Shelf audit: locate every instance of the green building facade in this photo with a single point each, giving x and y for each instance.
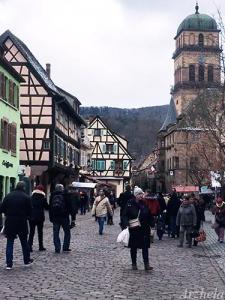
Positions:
(9, 127)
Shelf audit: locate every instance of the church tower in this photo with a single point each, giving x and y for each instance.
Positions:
(196, 58)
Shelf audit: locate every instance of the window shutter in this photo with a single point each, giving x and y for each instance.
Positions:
(11, 93)
(9, 142)
(13, 138)
(112, 165)
(2, 134)
(6, 88)
(1, 85)
(114, 148)
(104, 148)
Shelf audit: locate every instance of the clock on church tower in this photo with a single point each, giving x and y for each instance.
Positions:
(196, 58)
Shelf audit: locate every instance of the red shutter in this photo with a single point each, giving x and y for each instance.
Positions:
(2, 134)
(9, 141)
(11, 93)
(13, 138)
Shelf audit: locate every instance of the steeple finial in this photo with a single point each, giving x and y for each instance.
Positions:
(196, 8)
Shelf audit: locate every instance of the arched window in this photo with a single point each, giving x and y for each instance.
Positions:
(191, 73)
(210, 73)
(201, 73)
(201, 39)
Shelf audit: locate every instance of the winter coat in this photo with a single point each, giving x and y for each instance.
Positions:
(219, 214)
(173, 205)
(39, 204)
(153, 205)
(101, 207)
(162, 203)
(69, 208)
(199, 209)
(139, 236)
(17, 209)
(186, 215)
(123, 199)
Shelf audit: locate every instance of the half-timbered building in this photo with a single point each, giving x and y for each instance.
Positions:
(110, 159)
(50, 120)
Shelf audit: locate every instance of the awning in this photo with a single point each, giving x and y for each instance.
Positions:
(86, 185)
(186, 189)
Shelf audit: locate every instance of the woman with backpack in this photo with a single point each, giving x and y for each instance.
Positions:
(100, 209)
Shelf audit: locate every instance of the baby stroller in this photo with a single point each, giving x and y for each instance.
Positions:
(160, 225)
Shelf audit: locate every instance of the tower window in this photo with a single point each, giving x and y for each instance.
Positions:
(191, 73)
(201, 73)
(210, 73)
(201, 40)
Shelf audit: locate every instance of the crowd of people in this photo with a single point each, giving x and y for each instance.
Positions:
(179, 216)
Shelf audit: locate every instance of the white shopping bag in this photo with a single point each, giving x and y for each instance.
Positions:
(124, 237)
(2, 232)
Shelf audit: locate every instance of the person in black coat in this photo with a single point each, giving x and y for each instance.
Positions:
(60, 209)
(122, 202)
(173, 206)
(39, 204)
(16, 207)
(140, 234)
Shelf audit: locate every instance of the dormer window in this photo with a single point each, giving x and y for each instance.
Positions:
(201, 40)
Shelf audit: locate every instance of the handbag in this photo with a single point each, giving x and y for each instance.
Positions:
(202, 236)
(133, 223)
(124, 237)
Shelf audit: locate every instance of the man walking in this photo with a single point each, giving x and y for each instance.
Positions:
(60, 210)
(17, 209)
(122, 202)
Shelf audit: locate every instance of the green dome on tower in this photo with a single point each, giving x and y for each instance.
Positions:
(198, 22)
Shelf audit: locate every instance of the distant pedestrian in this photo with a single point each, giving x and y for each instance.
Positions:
(17, 209)
(83, 202)
(74, 199)
(186, 220)
(100, 209)
(60, 210)
(219, 212)
(162, 202)
(139, 221)
(39, 204)
(122, 202)
(199, 209)
(173, 206)
(112, 201)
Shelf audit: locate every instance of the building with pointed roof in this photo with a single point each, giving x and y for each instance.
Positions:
(110, 158)
(50, 119)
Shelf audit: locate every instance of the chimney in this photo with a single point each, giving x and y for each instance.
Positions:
(48, 70)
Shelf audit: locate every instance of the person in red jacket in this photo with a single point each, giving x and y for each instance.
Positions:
(153, 203)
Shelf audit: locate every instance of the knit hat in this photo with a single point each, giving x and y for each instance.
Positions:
(137, 191)
(40, 187)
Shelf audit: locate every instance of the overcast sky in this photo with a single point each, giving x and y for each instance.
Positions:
(105, 52)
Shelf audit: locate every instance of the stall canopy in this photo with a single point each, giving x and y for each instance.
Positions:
(186, 189)
(85, 185)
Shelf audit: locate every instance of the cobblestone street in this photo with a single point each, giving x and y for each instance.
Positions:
(98, 268)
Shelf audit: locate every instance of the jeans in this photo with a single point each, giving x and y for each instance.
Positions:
(32, 232)
(133, 254)
(65, 223)
(101, 221)
(9, 250)
(83, 209)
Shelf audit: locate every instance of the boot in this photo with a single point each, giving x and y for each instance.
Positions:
(134, 267)
(147, 267)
